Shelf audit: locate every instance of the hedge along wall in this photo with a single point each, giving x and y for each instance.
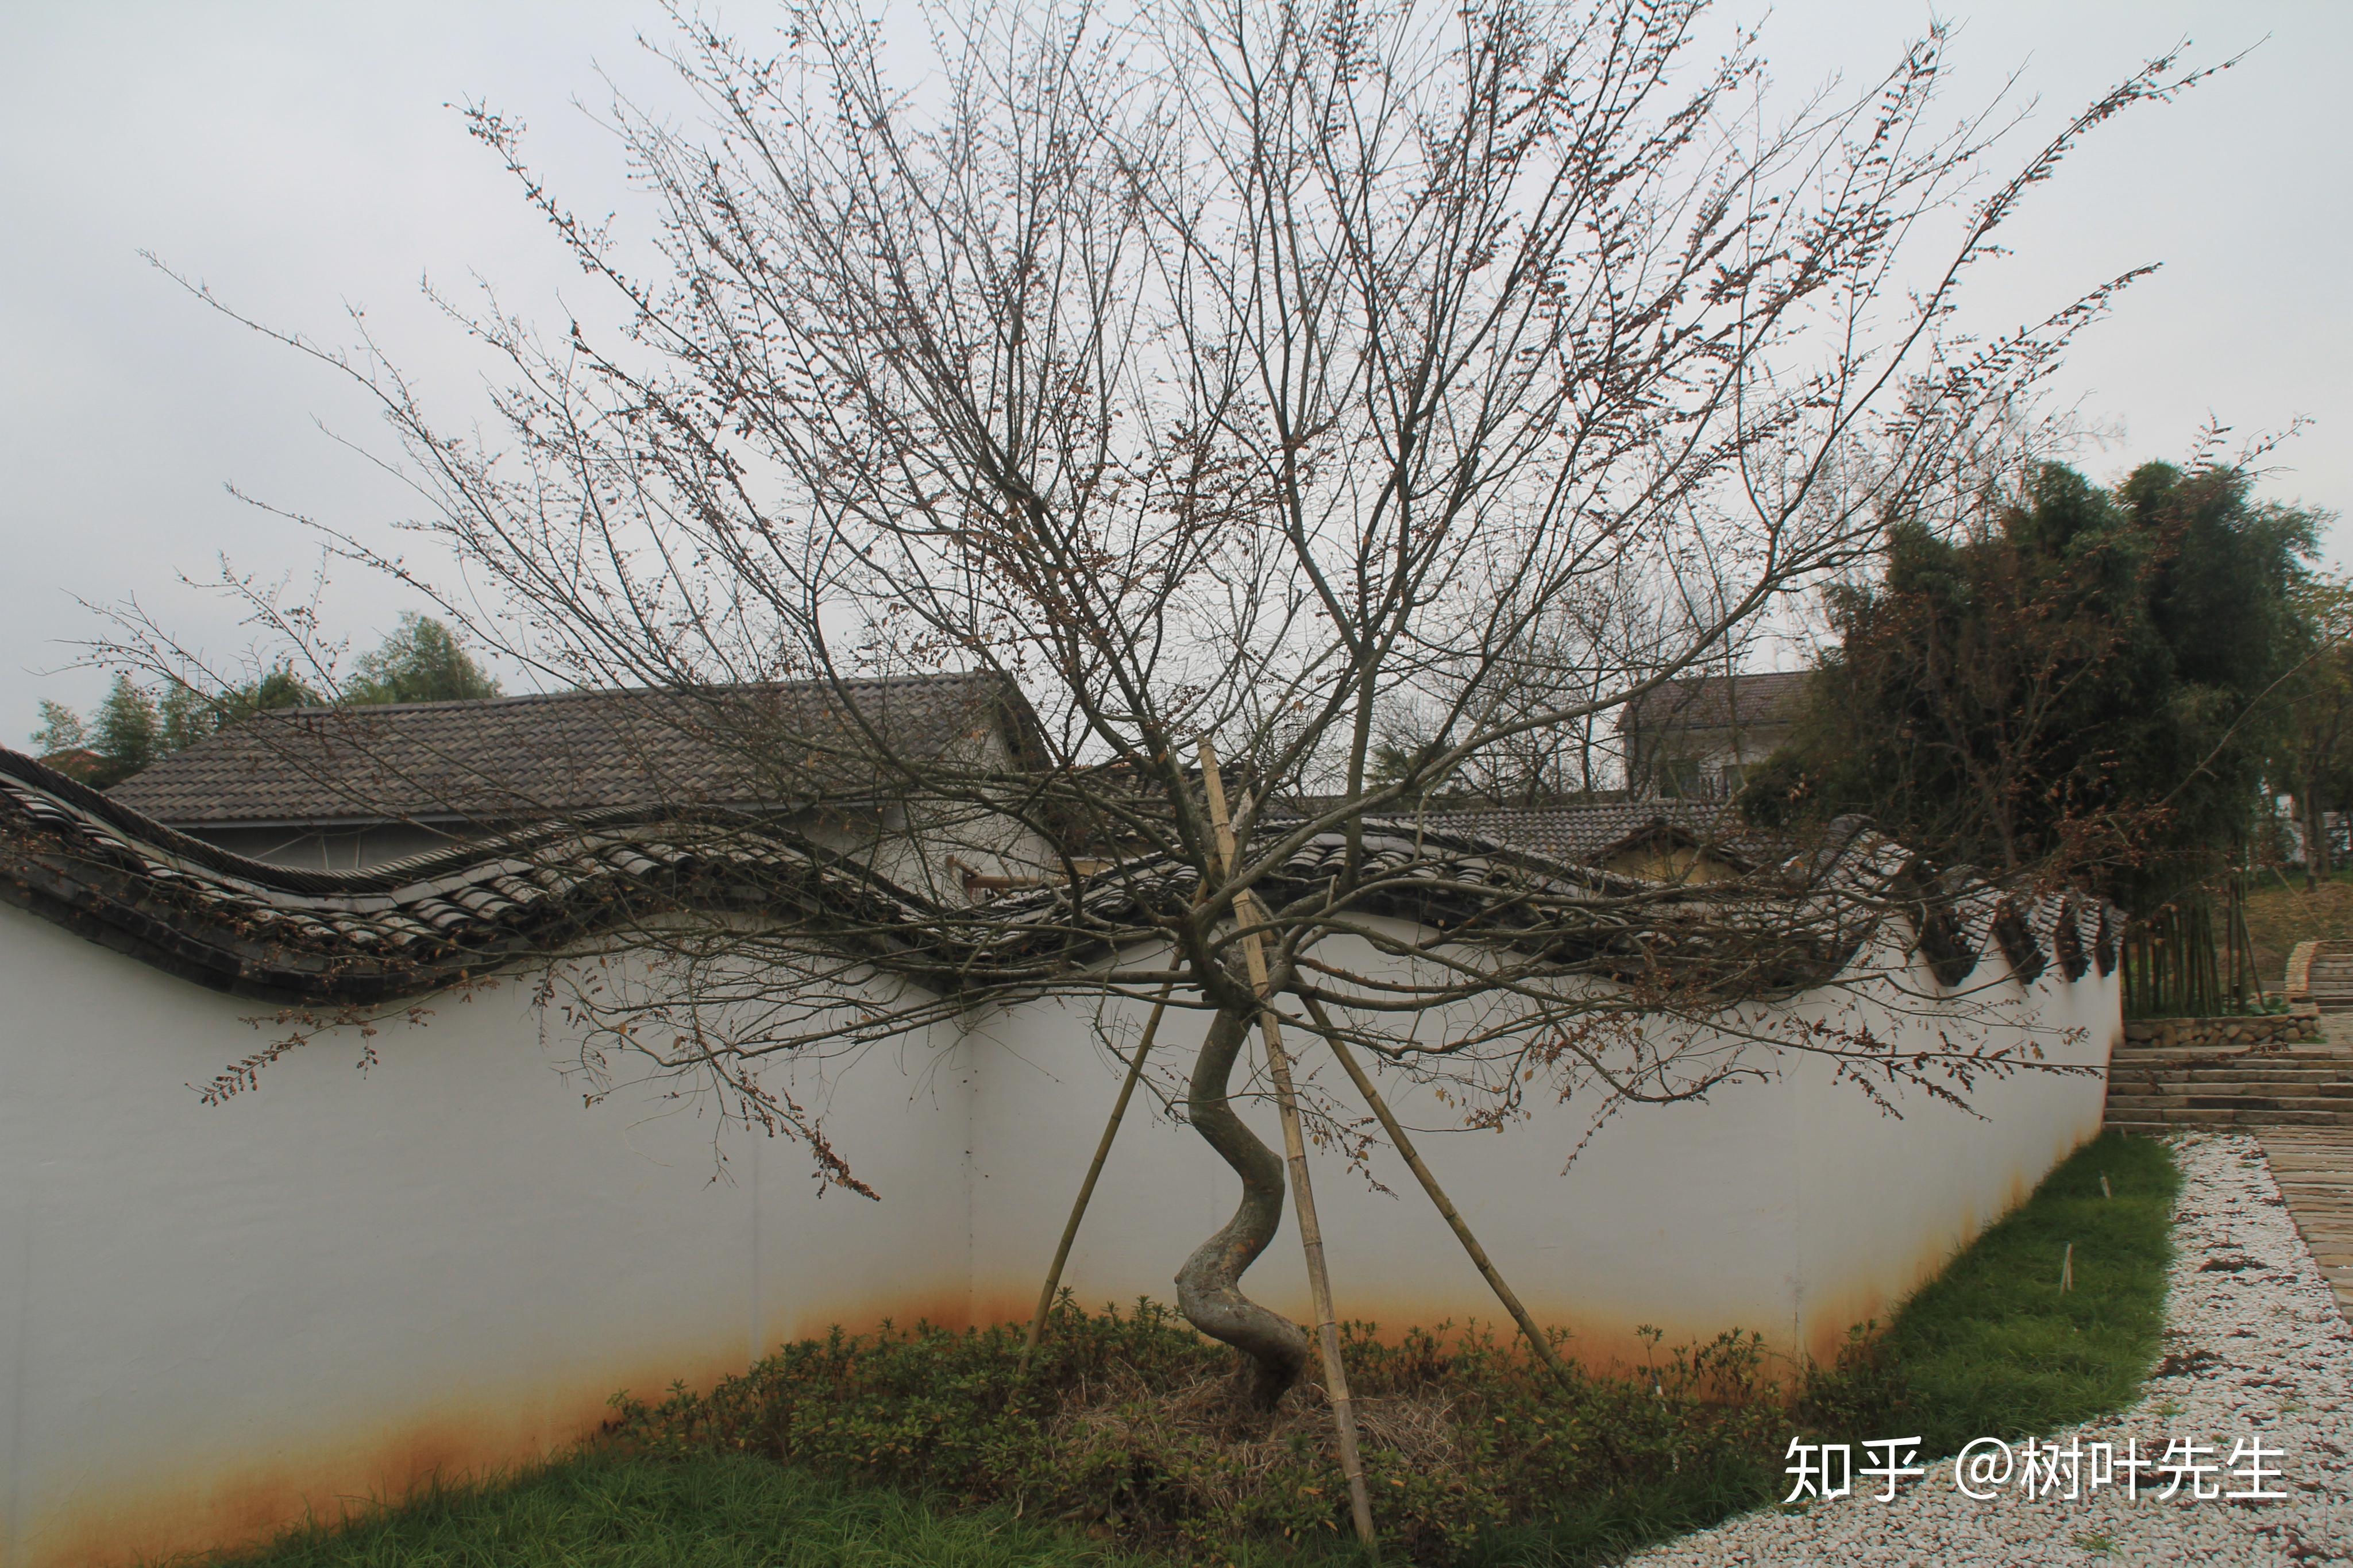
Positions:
(218, 1319)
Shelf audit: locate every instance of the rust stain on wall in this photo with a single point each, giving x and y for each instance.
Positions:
(948, 1307)
(242, 1501)
(1836, 1309)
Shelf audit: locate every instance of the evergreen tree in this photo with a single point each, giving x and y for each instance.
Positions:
(421, 661)
(2084, 687)
(2312, 754)
(62, 731)
(129, 734)
(134, 726)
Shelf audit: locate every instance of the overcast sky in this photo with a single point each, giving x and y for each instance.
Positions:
(301, 158)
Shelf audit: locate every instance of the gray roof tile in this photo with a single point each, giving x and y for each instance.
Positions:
(518, 758)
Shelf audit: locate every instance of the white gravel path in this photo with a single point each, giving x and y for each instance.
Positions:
(2254, 1344)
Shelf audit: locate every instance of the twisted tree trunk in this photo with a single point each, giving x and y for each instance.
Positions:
(1209, 1289)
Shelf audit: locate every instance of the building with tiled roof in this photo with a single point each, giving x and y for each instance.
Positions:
(1700, 738)
(357, 786)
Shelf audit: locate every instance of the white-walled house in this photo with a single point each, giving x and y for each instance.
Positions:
(218, 1317)
(1701, 737)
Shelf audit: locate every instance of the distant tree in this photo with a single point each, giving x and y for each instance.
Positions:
(62, 731)
(2086, 685)
(421, 661)
(280, 688)
(135, 726)
(129, 734)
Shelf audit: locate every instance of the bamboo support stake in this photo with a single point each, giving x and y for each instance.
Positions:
(1087, 1187)
(1294, 1144)
(1454, 1220)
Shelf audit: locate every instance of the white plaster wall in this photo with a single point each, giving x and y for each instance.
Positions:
(213, 1317)
(1793, 1207)
(1886, 1201)
(210, 1316)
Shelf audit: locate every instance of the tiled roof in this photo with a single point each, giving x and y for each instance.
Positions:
(521, 758)
(1718, 702)
(1584, 832)
(1570, 831)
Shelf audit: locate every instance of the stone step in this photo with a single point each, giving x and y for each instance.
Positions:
(2299, 1147)
(2250, 1103)
(2325, 1096)
(2138, 1083)
(2238, 1072)
(2316, 1082)
(2319, 1045)
(2314, 1055)
(2312, 1033)
(2313, 1048)
(2235, 1116)
(2120, 1102)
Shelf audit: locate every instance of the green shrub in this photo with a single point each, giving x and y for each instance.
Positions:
(1134, 1425)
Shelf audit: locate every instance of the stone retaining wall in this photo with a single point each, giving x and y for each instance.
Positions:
(2225, 1033)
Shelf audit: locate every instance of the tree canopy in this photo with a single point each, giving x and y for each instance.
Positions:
(421, 661)
(2312, 746)
(2085, 684)
(1233, 376)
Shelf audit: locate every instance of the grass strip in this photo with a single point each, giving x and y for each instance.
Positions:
(721, 1511)
(1992, 1348)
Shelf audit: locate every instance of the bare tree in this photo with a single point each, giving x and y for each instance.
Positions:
(1236, 371)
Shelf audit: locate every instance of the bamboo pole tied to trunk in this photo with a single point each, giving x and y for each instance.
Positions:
(1294, 1143)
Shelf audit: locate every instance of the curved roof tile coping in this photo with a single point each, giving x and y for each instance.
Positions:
(412, 926)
